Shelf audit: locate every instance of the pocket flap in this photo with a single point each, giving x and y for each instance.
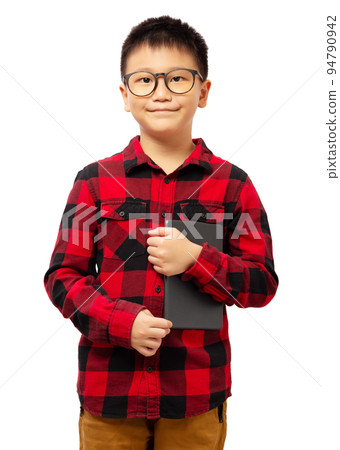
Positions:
(202, 211)
(122, 209)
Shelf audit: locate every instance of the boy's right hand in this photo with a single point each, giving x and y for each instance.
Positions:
(147, 332)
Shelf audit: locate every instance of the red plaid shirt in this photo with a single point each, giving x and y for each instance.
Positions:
(100, 278)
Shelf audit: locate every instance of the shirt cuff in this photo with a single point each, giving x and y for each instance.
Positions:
(121, 321)
(205, 266)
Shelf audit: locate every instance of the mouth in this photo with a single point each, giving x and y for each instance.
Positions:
(163, 110)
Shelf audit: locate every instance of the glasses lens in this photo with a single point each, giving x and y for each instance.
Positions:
(180, 81)
(141, 83)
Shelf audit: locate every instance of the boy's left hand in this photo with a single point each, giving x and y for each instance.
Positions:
(170, 251)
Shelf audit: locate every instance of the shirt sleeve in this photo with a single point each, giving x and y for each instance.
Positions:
(70, 280)
(243, 274)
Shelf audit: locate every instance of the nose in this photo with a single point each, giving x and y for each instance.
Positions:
(161, 92)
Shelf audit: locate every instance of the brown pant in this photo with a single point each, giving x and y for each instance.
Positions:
(202, 432)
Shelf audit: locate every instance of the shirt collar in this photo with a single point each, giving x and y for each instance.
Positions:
(134, 155)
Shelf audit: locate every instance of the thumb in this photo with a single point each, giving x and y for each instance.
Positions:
(160, 231)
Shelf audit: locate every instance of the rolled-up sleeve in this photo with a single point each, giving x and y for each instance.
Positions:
(243, 274)
(71, 279)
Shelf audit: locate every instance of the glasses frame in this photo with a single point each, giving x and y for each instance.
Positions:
(193, 72)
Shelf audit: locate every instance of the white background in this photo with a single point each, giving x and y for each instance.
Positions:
(61, 109)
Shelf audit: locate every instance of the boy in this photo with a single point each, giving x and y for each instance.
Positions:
(142, 384)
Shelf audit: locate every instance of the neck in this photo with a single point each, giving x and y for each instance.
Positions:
(170, 149)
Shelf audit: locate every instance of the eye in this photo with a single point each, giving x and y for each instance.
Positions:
(176, 79)
(144, 80)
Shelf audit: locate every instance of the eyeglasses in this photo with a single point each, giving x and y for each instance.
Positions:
(178, 81)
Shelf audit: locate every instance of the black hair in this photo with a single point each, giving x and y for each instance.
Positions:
(170, 32)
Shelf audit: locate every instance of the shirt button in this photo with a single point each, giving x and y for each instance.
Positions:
(166, 180)
(149, 369)
(158, 289)
(163, 214)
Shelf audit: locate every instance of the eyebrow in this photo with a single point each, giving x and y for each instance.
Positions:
(148, 69)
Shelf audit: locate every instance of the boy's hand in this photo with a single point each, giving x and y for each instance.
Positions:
(170, 255)
(147, 332)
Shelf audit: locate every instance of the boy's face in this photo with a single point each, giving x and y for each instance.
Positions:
(180, 108)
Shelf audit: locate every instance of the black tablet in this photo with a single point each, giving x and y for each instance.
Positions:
(184, 304)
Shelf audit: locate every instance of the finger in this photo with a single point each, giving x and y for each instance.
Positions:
(151, 346)
(157, 322)
(152, 251)
(153, 231)
(159, 230)
(156, 268)
(146, 351)
(151, 241)
(158, 333)
(153, 342)
(153, 260)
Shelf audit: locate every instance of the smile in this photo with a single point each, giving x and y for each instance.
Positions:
(163, 110)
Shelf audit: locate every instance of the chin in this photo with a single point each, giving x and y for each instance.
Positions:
(162, 130)
(165, 132)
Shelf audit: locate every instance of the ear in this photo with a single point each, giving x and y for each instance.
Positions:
(123, 90)
(204, 91)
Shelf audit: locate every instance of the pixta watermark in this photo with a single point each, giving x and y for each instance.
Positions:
(80, 225)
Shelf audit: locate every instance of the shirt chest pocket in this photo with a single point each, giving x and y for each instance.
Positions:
(201, 211)
(123, 229)
(204, 221)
